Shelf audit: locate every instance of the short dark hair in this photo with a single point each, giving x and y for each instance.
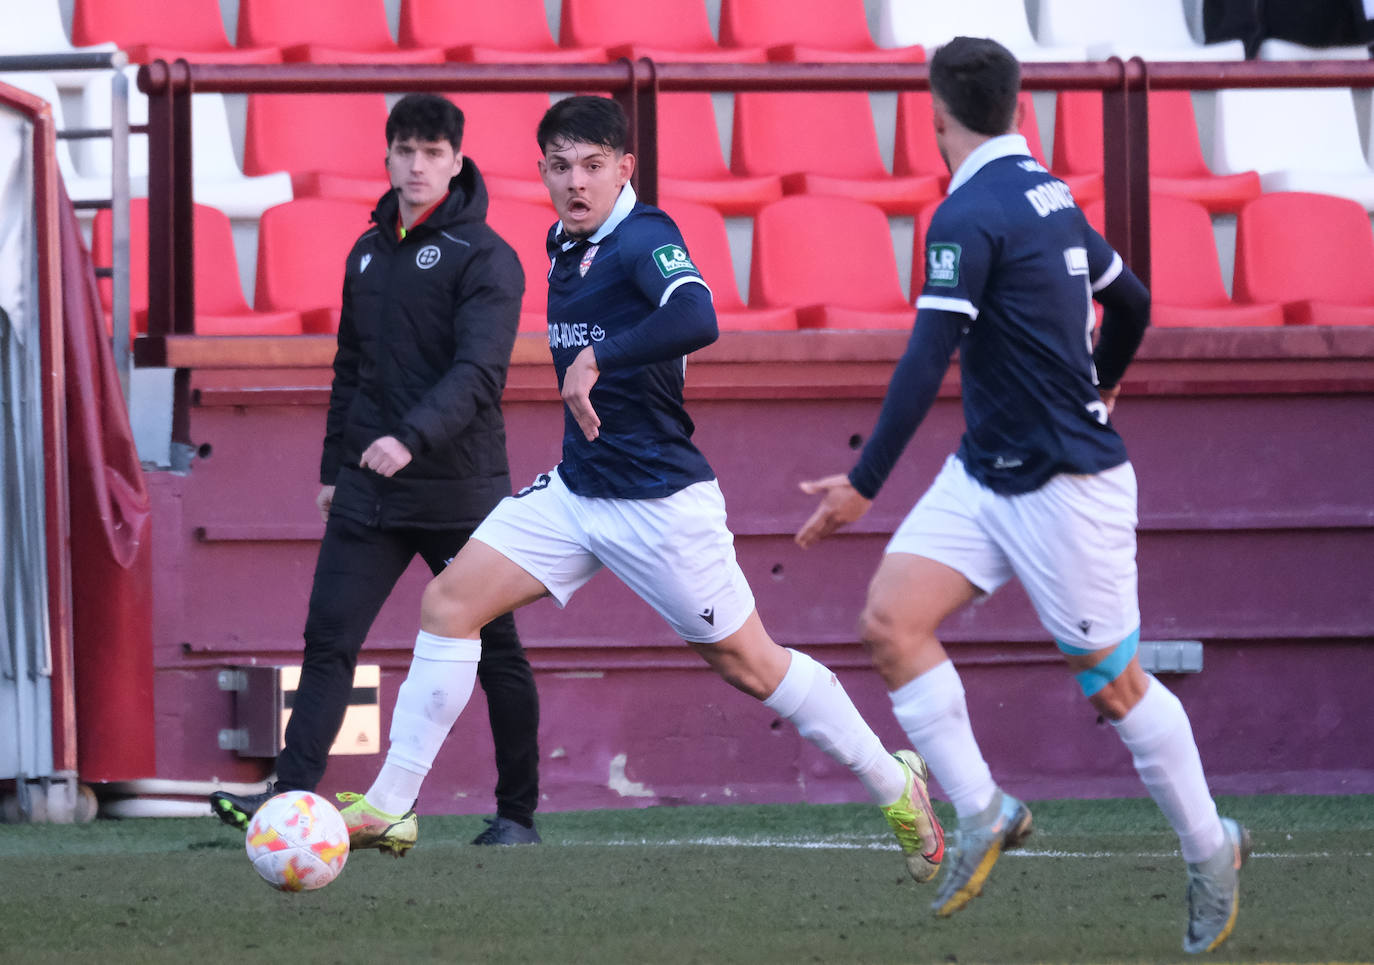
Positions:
(586, 120)
(978, 79)
(426, 117)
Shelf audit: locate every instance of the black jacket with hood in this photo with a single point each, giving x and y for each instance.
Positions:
(425, 340)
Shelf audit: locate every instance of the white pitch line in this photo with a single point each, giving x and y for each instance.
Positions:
(884, 845)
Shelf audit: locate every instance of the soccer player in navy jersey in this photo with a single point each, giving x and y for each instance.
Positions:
(631, 494)
(1040, 487)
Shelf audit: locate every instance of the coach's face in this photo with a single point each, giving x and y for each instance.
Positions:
(421, 170)
(584, 181)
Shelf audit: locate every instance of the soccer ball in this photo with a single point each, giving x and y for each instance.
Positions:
(297, 841)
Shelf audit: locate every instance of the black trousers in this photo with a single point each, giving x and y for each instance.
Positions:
(357, 569)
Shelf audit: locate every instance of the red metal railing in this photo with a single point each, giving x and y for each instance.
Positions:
(1124, 85)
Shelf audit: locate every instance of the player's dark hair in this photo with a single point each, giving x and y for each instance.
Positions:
(425, 117)
(978, 79)
(584, 120)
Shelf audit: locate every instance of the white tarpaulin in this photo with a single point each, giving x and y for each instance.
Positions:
(25, 710)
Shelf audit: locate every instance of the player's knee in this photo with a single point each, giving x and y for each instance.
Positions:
(442, 612)
(888, 641)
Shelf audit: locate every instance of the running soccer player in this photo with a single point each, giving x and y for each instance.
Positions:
(1040, 488)
(632, 493)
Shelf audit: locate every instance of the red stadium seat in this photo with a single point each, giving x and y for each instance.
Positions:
(1176, 164)
(691, 165)
(515, 31)
(525, 227)
(1186, 288)
(915, 152)
(822, 143)
(301, 250)
(1314, 253)
(807, 31)
(327, 32)
(632, 28)
(831, 259)
(498, 133)
(220, 306)
(703, 229)
(147, 33)
(333, 145)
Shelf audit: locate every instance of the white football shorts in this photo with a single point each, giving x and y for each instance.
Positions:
(676, 553)
(1071, 543)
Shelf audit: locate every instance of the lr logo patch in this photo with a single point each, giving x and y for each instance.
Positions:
(942, 265)
(672, 259)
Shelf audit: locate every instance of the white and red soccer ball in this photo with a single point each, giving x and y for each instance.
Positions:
(297, 841)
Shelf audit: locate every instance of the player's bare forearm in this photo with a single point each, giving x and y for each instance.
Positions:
(841, 504)
(578, 381)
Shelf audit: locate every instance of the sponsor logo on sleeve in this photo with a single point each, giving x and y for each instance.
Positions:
(671, 260)
(364, 262)
(942, 265)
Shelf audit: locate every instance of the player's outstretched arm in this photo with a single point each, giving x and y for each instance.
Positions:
(841, 504)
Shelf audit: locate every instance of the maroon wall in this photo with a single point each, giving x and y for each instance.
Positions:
(1256, 537)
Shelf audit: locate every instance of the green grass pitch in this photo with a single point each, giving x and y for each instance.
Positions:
(1100, 881)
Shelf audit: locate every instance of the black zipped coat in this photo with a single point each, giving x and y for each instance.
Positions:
(425, 340)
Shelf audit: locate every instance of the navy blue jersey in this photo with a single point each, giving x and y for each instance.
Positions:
(612, 291)
(1010, 251)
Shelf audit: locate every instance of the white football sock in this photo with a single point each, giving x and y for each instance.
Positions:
(814, 700)
(1160, 739)
(435, 691)
(934, 715)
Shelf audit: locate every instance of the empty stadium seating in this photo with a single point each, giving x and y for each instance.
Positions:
(807, 30)
(703, 228)
(514, 31)
(691, 165)
(498, 134)
(935, 22)
(220, 306)
(333, 145)
(327, 31)
(147, 32)
(1154, 30)
(301, 250)
(217, 180)
(831, 259)
(526, 229)
(1186, 287)
(632, 28)
(915, 151)
(35, 27)
(822, 143)
(79, 187)
(1312, 253)
(1297, 139)
(1177, 167)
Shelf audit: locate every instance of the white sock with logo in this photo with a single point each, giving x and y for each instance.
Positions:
(934, 714)
(814, 700)
(1160, 738)
(442, 673)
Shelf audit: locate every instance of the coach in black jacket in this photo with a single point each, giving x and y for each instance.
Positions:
(415, 446)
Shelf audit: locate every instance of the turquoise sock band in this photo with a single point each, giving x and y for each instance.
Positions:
(1095, 678)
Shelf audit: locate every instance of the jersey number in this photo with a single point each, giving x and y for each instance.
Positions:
(1076, 261)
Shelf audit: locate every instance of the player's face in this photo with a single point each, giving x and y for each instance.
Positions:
(421, 170)
(584, 181)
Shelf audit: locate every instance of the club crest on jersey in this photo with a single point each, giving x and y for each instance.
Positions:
(364, 262)
(942, 264)
(672, 259)
(585, 264)
(427, 257)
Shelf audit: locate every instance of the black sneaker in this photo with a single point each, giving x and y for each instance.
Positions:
(236, 810)
(505, 831)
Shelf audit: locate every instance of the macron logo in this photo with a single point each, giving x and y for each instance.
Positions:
(709, 615)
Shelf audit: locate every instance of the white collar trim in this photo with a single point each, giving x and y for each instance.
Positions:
(619, 212)
(1004, 145)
